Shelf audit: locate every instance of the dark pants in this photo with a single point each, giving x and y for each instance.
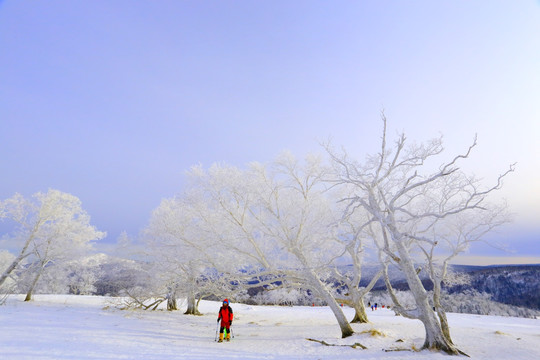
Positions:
(225, 326)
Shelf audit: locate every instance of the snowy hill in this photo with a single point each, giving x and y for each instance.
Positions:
(89, 327)
(517, 285)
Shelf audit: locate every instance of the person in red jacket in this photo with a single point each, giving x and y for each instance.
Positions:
(226, 317)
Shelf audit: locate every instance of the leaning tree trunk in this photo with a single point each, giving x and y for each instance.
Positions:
(19, 258)
(12, 267)
(33, 285)
(346, 329)
(314, 281)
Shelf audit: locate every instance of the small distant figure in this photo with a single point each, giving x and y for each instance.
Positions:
(226, 317)
(375, 306)
(369, 304)
(372, 306)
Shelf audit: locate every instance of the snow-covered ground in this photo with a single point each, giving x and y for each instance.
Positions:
(88, 327)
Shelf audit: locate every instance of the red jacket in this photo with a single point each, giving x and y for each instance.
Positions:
(226, 315)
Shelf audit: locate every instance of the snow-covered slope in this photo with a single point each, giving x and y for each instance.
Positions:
(88, 327)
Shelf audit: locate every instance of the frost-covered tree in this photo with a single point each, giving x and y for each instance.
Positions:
(52, 228)
(116, 275)
(301, 217)
(282, 296)
(83, 274)
(172, 250)
(274, 222)
(181, 251)
(415, 208)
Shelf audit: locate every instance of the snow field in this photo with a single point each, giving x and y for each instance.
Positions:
(89, 327)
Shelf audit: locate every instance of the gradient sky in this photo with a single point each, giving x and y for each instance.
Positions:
(112, 101)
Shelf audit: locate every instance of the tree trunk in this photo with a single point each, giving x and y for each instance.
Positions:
(435, 338)
(171, 301)
(440, 311)
(360, 315)
(10, 268)
(444, 325)
(19, 258)
(192, 308)
(315, 282)
(33, 285)
(346, 329)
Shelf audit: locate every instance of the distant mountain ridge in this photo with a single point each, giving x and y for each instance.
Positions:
(516, 285)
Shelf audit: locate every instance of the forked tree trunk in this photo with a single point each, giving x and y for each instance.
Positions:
(357, 298)
(192, 308)
(435, 338)
(171, 301)
(360, 315)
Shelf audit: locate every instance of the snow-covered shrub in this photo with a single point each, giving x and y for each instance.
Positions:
(286, 297)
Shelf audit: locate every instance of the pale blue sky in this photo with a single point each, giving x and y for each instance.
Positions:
(112, 101)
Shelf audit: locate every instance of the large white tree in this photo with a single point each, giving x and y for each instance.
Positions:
(52, 227)
(300, 214)
(275, 222)
(417, 210)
